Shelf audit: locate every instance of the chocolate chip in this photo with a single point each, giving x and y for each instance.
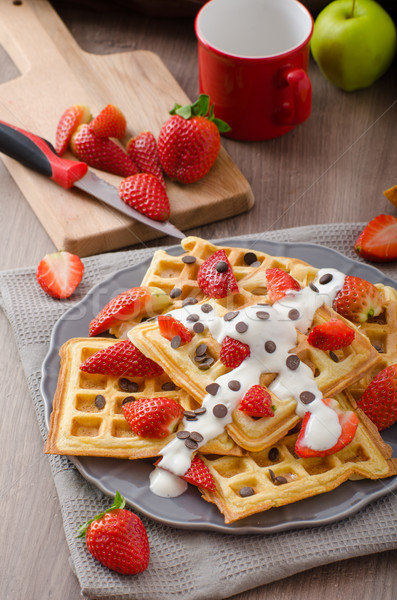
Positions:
(325, 278)
(293, 362)
(241, 327)
(206, 308)
(175, 293)
(206, 363)
(196, 436)
(212, 388)
(189, 443)
(128, 399)
(249, 258)
(193, 317)
(201, 349)
(378, 347)
(189, 260)
(333, 356)
(293, 314)
(168, 386)
(128, 386)
(219, 411)
(272, 475)
(273, 454)
(255, 264)
(229, 316)
(246, 491)
(270, 346)
(200, 411)
(187, 301)
(263, 315)
(198, 327)
(195, 418)
(176, 341)
(279, 480)
(221, 266)
(313, 287)
(100, 401)
(189, 413)
(307, 397)
(200, 359)
(183, 435)
(234, 385)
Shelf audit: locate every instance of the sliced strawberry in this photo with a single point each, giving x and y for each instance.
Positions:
(121, 358)
(109, 123)
(358, 300)
(331, 335)
(279, 283)
(378, 241)
(68, 123)
(215, 276)
(379, 401)
(257, 402)
(145, 193)
(199, 474)
(101, 153)
(348, 421)
(128, 305)
(144, 152)
(233, 352)
(170, 328)
(60, 273)
(153, 417)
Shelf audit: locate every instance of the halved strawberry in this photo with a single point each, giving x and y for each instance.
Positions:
(128, 305)
(121, 358)
(68, 123)
(331, 335)
(358, 300)
(378, 240)
(348, 421)
(199, 474)
(215, 276)
(170, 328)
(379, 401)
(109, 123)
(257, 402)
(145, 193)
(153, 417)
(279, 283)
(233, 352)
(144, 152)
(60, 273)
(101, 153)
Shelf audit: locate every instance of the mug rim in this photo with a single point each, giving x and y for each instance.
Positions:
(261, 58)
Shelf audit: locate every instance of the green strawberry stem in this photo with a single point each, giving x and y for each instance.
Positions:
(200, 108)
(353, 7)
(119, 502)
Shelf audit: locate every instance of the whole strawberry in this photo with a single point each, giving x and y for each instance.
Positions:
(189, 142)
(145, 193)
(153, 417)
(118, 539)
(358, 300)
(379, 401)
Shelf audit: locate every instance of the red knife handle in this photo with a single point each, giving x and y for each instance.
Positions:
(38, 154)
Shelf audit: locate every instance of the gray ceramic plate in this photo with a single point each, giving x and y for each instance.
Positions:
(131, 478)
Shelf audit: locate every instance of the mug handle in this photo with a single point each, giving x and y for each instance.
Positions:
(297, 107)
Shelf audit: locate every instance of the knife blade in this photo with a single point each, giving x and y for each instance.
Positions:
(39, 154)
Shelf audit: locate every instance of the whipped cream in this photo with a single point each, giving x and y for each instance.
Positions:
(270, 332)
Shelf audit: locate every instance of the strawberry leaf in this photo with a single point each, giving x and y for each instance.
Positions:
(119, 502)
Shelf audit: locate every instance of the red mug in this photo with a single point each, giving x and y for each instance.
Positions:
(253, 57)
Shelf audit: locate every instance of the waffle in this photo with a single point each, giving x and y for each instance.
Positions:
(80, 427)
(277, 476)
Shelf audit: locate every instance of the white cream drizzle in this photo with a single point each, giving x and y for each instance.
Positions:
(323, 428)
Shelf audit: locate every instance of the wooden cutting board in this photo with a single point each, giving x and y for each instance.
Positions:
(56, 73)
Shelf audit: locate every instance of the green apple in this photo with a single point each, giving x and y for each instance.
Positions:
(353, 42)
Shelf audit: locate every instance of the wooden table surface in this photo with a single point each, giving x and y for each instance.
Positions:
(333, 168)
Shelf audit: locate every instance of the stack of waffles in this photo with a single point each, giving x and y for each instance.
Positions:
(253, 460)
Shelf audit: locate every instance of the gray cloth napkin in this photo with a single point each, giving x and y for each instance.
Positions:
(185, 564)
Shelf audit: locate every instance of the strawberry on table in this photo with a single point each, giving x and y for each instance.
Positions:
(153, 417)
(189, 142)
(215, 276)
(233, 352)
(60, 273)
(378, 241)
(358, 300)
(145, 193)
(121, 358)
(379, 401)
(68, 123)
(257, 402)
(199, 474)
(142, 149)
(170, 328)
(110, 122)
(331, 335)
(279, 283)
(101, 153)
(118, 539)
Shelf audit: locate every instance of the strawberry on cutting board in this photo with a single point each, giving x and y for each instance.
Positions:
(118, 539)
(153, 418)
(358, 300)
(68, 123)
(142, 149)
(379, 401)
(189, 142)
(378, 241)
(121, 358)
(59, 273)
(145, 193)
(110, 122)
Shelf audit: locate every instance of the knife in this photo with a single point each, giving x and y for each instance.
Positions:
(40, 155)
